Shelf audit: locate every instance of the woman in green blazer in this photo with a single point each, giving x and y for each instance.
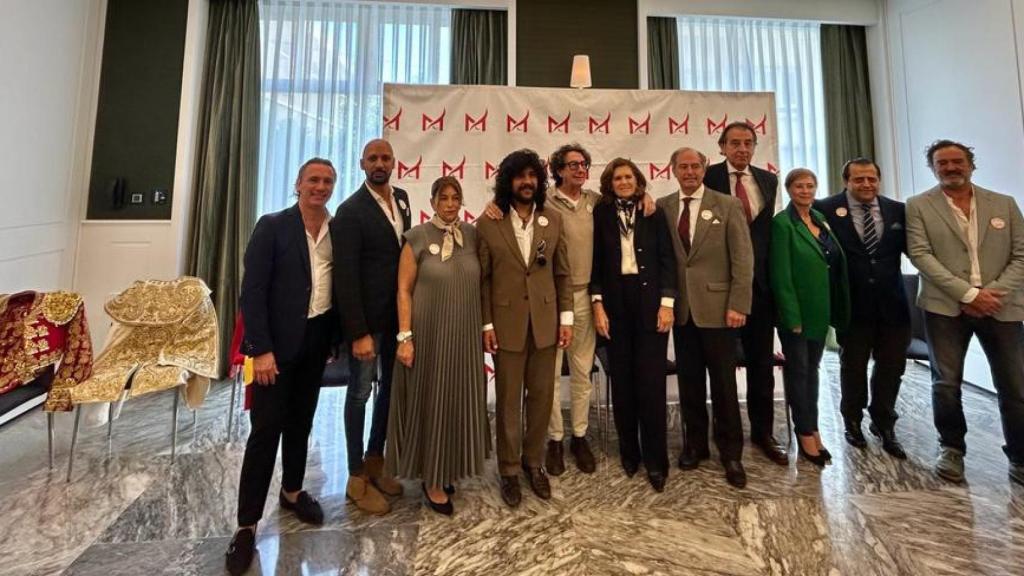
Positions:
(808, 278)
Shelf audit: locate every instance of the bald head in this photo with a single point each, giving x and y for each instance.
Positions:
(378, 162)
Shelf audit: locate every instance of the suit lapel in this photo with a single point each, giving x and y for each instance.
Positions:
(767, 193)
(538, 235)
(707, 203)
(375, 211)
(505, 227)
(984, 208)
(297, 234)
(939, 204)
(803, 232)
(402, 200)
(846, 225)
(671, 208)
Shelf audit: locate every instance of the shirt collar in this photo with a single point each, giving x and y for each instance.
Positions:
(854, 202)
(733, 169)
(378, 197)
(565, 198)
(697, 194)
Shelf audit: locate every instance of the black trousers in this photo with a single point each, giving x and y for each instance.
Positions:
(702, 353)
(284, 411)
(867, 337)
(758, 338)
(637, 358)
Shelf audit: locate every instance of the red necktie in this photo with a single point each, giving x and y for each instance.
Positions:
(684, 225)
(741, 193)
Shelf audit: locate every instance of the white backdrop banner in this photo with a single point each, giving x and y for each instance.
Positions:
(465, 131)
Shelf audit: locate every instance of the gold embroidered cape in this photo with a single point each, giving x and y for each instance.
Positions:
(164, 335)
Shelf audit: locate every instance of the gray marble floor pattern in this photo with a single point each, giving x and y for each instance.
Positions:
(129, 509)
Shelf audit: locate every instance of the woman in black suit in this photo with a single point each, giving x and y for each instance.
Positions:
(633, 289)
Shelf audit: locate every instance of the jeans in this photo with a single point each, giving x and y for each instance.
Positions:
(800, 377)
(362, 375)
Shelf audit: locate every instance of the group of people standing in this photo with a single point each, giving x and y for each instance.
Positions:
(547, 271)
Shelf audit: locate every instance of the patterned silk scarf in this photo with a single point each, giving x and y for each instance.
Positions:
(452, 236)
(627, 209)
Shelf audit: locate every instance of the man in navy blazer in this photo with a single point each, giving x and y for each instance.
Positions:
(368, 231)
(872, 231)
(289, 322)
(756, 189)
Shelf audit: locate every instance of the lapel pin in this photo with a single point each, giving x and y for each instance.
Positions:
(706, 214)
(998, 223)
(542, 220)
(434, 249)
(842, 211)
(716, 221)
(402, 205)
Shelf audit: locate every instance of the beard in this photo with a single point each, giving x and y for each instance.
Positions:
(524, 194)
(379, 177)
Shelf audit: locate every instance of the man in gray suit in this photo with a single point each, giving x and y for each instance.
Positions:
(715, 262)
(968, 245)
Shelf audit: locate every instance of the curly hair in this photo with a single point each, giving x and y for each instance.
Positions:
(608, 189)
(513, 165)
(944, 143)
(557, 161)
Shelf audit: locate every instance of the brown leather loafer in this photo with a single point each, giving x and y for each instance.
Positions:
(510, 492)
(538, 482)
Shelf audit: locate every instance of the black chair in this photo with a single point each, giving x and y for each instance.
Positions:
(918, 347)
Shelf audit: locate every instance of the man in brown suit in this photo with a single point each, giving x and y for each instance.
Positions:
(715, 260)
(527, 310)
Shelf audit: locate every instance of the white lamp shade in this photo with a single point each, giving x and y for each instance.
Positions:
(580, 71)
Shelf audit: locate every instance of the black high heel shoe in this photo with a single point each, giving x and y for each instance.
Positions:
(820, 460)
(446, 508)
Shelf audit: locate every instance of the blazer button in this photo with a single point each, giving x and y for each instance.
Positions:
(872, 261)
(639, 249)
(644, 284)
(871, 280)
(526, 296)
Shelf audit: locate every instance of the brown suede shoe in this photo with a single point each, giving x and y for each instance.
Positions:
(539, 482)
(386, 484)
(581, 452)
(365, 496)
(554, 462)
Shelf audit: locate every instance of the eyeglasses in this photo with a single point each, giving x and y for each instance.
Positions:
(575, 165)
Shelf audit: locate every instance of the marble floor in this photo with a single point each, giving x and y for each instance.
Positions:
(130, 510)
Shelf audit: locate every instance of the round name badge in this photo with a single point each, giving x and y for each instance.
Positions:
(706, 214)
(434, 249)
(998, 223)
(842, 212)
(590, 208)
(542, 220)
(401, 203)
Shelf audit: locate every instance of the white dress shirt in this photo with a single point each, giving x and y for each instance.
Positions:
(969, 227)
(392, 214)
(750, 185)
(321, 258)
(698, 197)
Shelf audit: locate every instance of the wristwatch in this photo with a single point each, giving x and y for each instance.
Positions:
(403, 336)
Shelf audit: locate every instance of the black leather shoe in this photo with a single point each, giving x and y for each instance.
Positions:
(449, 489)
(554, 462)
(240, 552)
(853, 435)
(629, 467)
(510, 492)
(305, 507)
(445, 508)
(690, 458)
(734, 473)
(824, 452)
(538, 482)
(657, 480)
(580, 450)
(772, 450)
(889, 442)
(819, 459)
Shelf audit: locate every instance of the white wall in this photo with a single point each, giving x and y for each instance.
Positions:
(48, 81)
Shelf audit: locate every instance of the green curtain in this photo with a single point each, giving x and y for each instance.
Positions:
(227, 154)
(849, 124)
(479, 47)
(662, 53)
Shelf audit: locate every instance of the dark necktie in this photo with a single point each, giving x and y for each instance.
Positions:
(741, 193)
(684, 225)
(870, 234)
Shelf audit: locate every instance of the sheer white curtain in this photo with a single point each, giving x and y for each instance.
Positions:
(324, 64)
(780, 56)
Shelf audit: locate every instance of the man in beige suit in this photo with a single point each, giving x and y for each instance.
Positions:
(527, 310)
(715, 260)
(968, 244)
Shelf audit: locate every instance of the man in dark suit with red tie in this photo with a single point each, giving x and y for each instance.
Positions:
(872, 231)
(756, 189)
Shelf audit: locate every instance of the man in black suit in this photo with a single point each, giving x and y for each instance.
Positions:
(756, 190)
(368, 230)
(289, 323)
(872, 231)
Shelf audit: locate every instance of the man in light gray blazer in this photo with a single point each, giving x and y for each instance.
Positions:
(715, 262)
(968, 245)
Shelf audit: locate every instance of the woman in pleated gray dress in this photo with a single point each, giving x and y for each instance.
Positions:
(437, 427)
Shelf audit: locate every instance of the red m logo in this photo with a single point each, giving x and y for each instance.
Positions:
(457, 170)
(468, 217)
(477, 124)
(772, 168)
(513, 125)
(424, 217)
(489, 170)
(559, 126)
(406, 171)
(393, 122)
(759, 126)
(717, 126)
(656, 173)
(676, 127)
(635, 126)
(598, 126)
(429, 123)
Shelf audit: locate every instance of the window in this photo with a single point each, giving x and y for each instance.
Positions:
(780, 56)
(324, 64)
